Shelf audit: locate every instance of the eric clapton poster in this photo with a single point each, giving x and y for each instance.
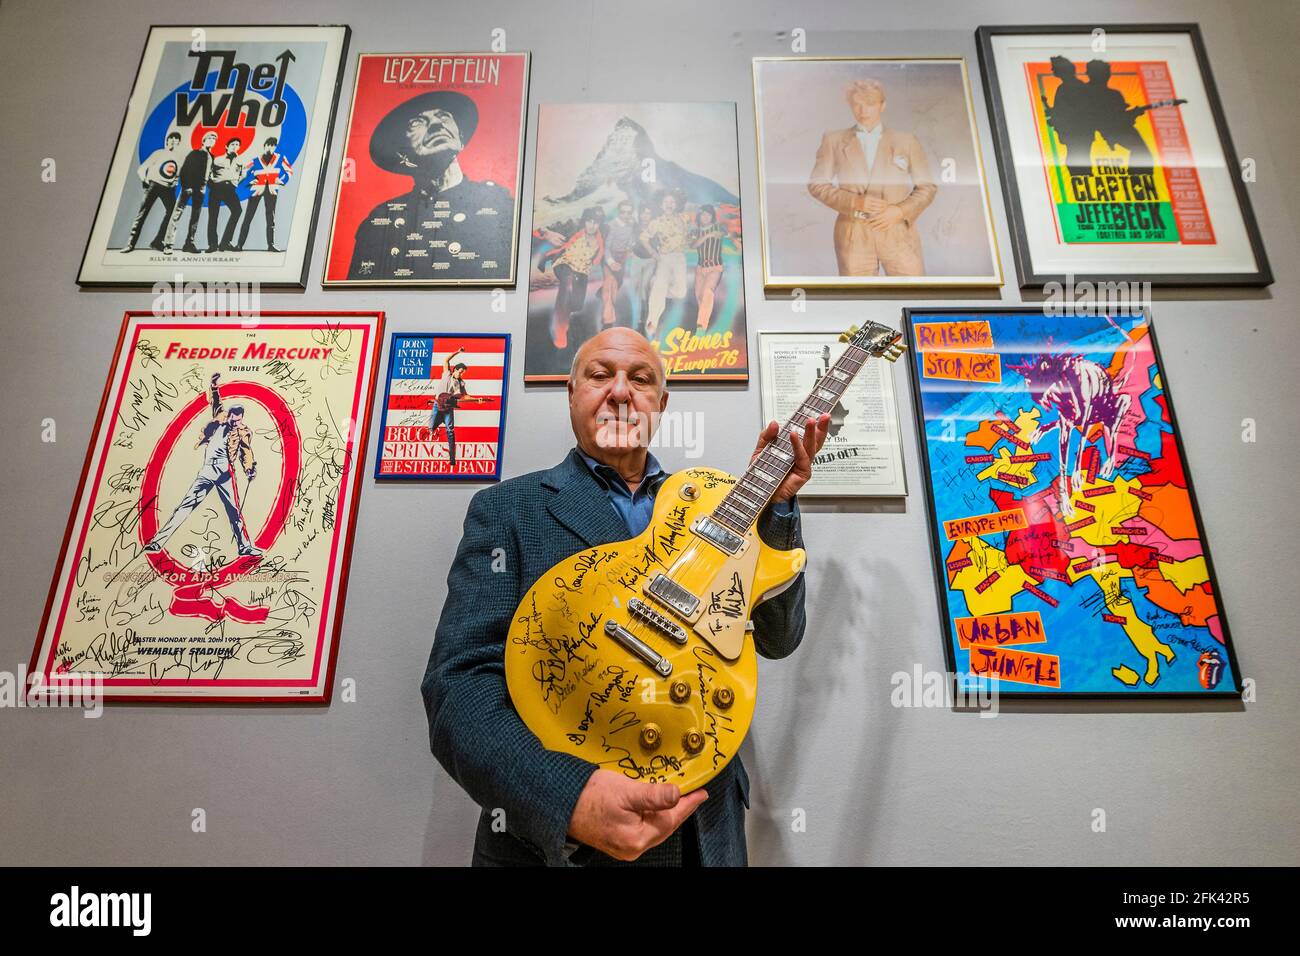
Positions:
(217, 170)
(206, 556)
(429, 191)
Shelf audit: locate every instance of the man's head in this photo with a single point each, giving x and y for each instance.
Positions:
(617, 389)
(235, 415)
(668, 203)
(1098, 71)
(232, 146)
(625, 211)
(173, 138)
(592, 218)
(706, 216)
(867, 101)
(209, 139)
(424, 135)
(458, 371)
(270, 143)
(1062, 67)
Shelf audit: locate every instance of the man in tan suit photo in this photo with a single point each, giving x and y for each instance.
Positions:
(878, 180)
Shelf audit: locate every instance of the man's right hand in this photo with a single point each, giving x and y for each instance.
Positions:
(623, 818)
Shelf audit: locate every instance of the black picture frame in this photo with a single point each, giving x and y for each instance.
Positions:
(910, 316)
(335, 92)
(1263, 274)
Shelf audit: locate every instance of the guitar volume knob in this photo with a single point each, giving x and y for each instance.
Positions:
(679, 692)
(723, 698)
(650, 737)
(692, 742)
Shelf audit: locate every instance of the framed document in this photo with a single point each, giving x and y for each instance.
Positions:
(444, 411)
(862, 456)
(1115, 157)
(217, 170)
(870, 175)
(1070, 557)
(206, 556)
(432, 164)
(636, 222)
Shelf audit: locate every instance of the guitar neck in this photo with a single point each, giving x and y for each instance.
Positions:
(750, 495)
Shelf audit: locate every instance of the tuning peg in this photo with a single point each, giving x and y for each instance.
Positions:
(893, 353)
(848, 336)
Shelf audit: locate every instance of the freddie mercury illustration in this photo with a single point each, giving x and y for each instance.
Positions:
(226, 440)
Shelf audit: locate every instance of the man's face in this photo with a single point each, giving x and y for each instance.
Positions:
(232, 148)
(209, 140)
(669, 204)
(433, 131)
(173, 142)
(625, 212)
(867, 109)
(590, 226)
(234, 418)
(617, 392)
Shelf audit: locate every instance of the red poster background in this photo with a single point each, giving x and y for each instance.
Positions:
(493, 152)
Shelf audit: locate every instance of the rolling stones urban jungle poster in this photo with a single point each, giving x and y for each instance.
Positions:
(1069, 553)
(207, 552)
(217, 170)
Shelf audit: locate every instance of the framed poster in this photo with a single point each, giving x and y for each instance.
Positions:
(636, 222)
(1115, 157)
(444, 411)
(870, 174)
(863, 456)
(1070, 558)
(433, 158)
(206, 556)
(217, 170)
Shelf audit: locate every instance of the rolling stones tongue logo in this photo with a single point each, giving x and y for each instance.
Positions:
(198, 593)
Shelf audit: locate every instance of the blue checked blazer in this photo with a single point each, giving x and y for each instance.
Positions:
(537, 520)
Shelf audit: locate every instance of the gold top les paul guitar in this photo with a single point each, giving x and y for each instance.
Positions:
(636, 655)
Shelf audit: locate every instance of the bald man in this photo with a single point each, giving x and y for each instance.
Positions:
(543, 807)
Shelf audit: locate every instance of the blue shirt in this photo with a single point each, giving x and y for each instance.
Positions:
(636, 508)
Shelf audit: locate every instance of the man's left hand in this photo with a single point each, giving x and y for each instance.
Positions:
(805, 448)
(891, 215)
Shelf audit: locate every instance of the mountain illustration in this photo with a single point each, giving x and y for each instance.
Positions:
(615, 174)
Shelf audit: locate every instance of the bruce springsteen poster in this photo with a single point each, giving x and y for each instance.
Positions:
(636, 222)
(217, 170)
(431, 171)
(207, 552)
(1116, 159)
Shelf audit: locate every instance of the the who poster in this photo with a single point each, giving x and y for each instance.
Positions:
(217, 171)
(636, 223)
(431, 170)
(444, 411)
(207, 552)
(1069, 554)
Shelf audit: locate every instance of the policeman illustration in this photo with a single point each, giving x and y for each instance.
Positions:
(448, 226)
(226, 440)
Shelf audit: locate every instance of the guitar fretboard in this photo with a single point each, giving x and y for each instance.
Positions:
(749, 496)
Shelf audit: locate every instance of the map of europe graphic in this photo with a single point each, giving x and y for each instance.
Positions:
(1071, 556)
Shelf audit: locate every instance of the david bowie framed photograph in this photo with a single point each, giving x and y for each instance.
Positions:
(217, 172)
(206, 555)
(432, 163)
(1116, 159)
(870, 175)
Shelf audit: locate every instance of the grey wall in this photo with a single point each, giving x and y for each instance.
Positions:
(354, 782)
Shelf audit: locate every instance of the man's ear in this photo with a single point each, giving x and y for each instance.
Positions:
(663, 399)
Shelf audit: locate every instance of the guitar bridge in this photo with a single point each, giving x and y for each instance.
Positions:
(662, 666)
(644, 612)
(671, 594)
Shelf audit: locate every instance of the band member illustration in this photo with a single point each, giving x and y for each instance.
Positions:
(620, 238)
(708, 239)
(668, 234)
(194, 182)
(158, 174)
(223, 184)
(448, 226)
(574, 259)
(270, 172)
(225, 441)
(640, 270)
(878, 180)
(452, 392)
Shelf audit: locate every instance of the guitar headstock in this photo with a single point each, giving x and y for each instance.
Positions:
(876, 339)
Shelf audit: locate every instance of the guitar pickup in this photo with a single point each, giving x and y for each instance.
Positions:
(644, 612)
(720, 537)
(672, 595)
(662, 665)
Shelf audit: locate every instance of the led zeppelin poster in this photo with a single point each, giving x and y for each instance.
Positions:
(1116, 158)
(217, 171)
(444, 410)
(207, 552)
(433, 159)
(636, 223)
(1069, 554)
